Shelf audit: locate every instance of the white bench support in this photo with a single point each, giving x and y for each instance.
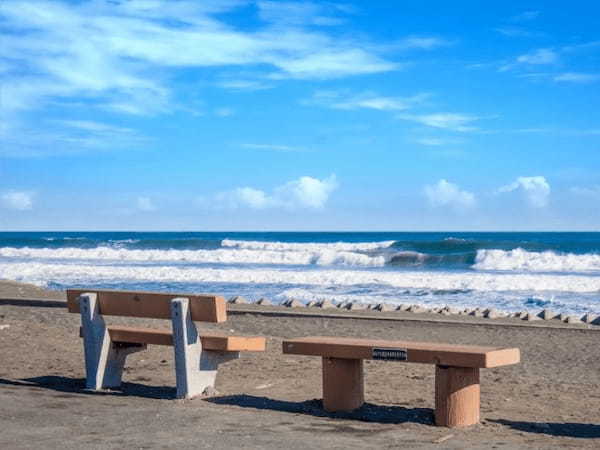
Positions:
(104, 360)
(195, 369)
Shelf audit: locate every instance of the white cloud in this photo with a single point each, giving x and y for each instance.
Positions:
(145, 204)
(119, 53)
(305, 192)
(298, 13)
(577, 77)
(18, 200)
(447, 121)
(536, 190)
(539, 57)
(445, 193)
(365, 100)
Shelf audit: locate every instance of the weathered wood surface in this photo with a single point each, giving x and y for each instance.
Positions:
(210, 341)
(152, 305)
(417, 352)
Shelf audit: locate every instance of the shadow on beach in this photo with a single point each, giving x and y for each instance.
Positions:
(367, 413)
(77, 386)
(41, 303)
(563, 429)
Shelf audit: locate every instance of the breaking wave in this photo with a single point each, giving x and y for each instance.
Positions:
(548, 261)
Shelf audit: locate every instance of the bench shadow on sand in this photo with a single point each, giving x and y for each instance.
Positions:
(559, 429)
(367, 413)
(77, 386)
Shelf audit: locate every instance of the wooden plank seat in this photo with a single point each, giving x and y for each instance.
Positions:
(457, 386)
(152, 336)
(197, 355)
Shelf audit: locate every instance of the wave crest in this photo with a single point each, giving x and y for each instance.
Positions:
(548, 261)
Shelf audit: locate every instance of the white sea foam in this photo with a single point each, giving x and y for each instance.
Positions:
(319, 256)
(72, 274)
(548, 261)
(306, 247)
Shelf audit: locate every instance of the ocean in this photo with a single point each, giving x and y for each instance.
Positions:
(507, 271)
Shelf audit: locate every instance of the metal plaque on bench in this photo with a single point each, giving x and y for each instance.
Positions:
(390, 354)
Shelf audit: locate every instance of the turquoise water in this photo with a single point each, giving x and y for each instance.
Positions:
(510, 271)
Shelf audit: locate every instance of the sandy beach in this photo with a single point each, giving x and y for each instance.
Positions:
(271, 400)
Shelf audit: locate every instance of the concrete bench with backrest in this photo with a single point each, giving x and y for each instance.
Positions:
(456, 375)
(197, 354)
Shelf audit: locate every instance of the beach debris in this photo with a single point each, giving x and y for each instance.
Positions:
(326, 304)
(590, 318)
(264, 302)
(547, 314)
(4, 327)
(293, 303)
(264, 386)
(383, 307)
(238, 300)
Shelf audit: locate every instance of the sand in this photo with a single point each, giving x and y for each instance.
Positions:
(270, 400)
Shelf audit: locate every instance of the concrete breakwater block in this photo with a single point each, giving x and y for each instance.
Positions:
(477, 312)
(531, 317)
(264, 302)
(449, 311)
(238, 300)
(416, 309)
(326, 304)
(591, 319)
(547, 314)
(572, 319)
(493, 313)
(311, 304)
(403, 307)
(383, 307)
(354, 306)
(293, 303)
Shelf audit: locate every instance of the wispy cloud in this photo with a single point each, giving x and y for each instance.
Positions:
(304, 192)
(586, 191)
(539, 56)
(577, 77)
(536, 190)
(446, 121)
(422, 43)
(445, 193)
(525, 16)
(365, 100)
(17, 200)
(121, 52)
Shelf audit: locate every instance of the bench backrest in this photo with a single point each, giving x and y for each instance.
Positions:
(150, 305)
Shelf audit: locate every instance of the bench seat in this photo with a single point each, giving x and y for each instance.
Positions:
(214, 342)
(457, 386)
(417, 352)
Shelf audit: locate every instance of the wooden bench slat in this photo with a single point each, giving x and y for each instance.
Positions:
(152, 305)
(418, 352)
(215, 342)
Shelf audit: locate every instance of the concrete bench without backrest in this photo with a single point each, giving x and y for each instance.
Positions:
(456, 375)
(197, 355)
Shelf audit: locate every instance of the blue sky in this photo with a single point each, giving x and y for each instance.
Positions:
(243, 115)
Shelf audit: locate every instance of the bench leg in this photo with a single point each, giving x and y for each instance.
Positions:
(456, 396)
(104, 360)
(343, 384)
(195, 369)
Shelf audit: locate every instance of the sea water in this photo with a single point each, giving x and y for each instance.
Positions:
(507, 271)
